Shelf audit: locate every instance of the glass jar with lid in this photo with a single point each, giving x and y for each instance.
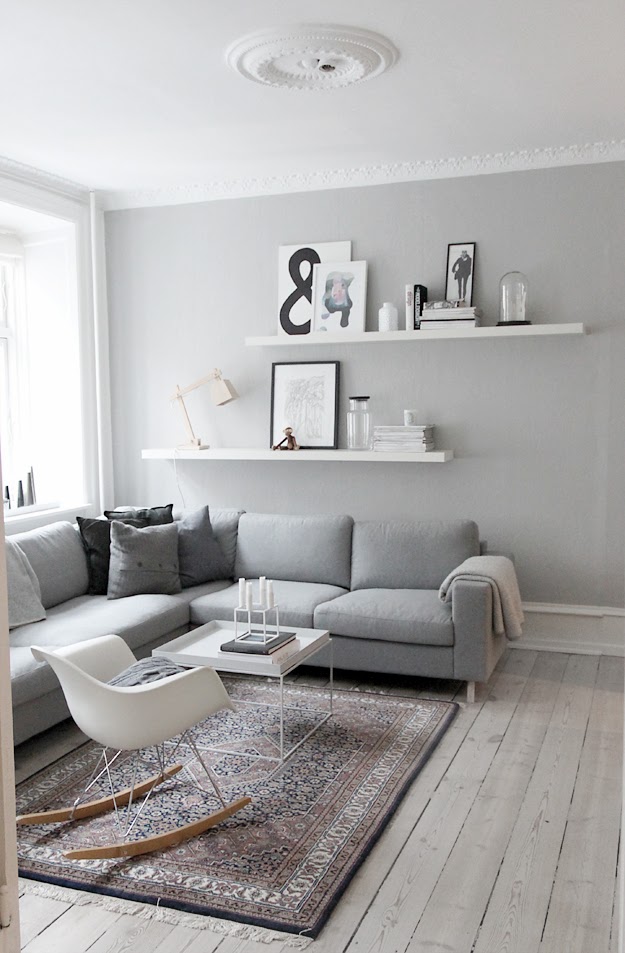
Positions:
(359, 431)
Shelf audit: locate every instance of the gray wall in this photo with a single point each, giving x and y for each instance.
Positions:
(536, 424)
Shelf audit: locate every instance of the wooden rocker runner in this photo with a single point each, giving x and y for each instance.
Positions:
(131, 719)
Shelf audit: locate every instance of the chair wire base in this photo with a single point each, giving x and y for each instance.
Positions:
(127, 819)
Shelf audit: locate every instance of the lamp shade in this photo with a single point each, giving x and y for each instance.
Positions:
(222, 391)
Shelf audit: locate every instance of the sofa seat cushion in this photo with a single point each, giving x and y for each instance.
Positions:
(391, 615)
(296, 600)
(138, 619)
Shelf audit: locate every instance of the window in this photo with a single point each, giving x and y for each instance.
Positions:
(54, 372)
(41, 417)
(13, 410)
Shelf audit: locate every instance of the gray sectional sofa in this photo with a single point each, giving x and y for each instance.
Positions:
(373, 585)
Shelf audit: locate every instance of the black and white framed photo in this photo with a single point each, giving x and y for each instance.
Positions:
(339, 297)
(305, 397)
(295, 279)
(460, 271)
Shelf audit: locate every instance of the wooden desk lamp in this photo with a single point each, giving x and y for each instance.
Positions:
(222, 392)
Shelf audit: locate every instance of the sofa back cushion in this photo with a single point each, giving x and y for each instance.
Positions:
(58, 558)
(394, 554)
(295, 548)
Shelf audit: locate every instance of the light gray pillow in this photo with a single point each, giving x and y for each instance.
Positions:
(23, 587)
(200, 556)
(143, 560)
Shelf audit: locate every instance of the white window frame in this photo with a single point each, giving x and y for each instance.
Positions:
(15, 333)
(77, 206)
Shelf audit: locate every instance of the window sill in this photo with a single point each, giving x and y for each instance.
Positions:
(17, 522)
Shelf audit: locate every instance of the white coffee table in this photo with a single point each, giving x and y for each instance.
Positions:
(201, 646)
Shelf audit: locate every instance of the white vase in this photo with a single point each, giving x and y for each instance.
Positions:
(388, 318)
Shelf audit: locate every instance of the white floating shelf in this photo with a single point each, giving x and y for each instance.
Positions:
(299, 456)
(381, 337)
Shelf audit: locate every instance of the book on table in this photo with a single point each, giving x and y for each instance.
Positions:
(253, 643)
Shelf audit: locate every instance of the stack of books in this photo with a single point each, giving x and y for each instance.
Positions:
(434, 319)
(404, 439)
(253, 643)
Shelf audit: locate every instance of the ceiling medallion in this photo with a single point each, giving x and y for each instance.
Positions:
(311, 56)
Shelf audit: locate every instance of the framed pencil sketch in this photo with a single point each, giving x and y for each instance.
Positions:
(339, 296)
(460, 270)
(295, 278)
(305, 397)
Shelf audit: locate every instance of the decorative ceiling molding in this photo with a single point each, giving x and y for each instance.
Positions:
(28, 175)
(382, 174)
(311, 57)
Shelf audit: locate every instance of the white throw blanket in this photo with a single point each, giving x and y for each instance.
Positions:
(499, 573)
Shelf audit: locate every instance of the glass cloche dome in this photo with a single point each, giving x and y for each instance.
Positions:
(512, 298)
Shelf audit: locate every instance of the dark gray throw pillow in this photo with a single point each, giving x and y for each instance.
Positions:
(147, 670)
(143, 560)
(200, 556)
(151, 516)
(96, 538)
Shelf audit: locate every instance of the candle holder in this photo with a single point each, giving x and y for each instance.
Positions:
(258, 608)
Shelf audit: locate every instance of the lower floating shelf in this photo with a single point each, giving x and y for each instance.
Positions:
(299, 456)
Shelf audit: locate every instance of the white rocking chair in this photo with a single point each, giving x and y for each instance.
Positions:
(131, 719)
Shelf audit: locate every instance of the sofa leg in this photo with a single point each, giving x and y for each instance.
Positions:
(470, 693)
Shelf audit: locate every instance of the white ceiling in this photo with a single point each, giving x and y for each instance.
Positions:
(136, 99)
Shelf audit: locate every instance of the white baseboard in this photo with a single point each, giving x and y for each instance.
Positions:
(582, 630)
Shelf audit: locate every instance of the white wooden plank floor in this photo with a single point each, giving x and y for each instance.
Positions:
(506, 843)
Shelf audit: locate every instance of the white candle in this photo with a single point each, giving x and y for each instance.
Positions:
(241, 591)
(249, 602)
(262, 590)
(270, 599)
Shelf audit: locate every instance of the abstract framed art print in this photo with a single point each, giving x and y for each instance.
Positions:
(339, 297)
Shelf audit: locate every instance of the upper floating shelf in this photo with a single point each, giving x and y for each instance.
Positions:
(382, 337)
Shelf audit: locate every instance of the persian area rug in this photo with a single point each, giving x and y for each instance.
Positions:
(283, 861)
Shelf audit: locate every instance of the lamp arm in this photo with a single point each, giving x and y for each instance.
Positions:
(178, 397)
(215, 374)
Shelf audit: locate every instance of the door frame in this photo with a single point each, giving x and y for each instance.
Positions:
(9, 890)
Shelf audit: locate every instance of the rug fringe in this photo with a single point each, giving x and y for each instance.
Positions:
(150, 911)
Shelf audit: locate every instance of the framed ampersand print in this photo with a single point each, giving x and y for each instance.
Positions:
(295, 279)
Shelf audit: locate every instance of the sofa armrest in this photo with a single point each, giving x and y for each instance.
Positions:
(476, 647)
